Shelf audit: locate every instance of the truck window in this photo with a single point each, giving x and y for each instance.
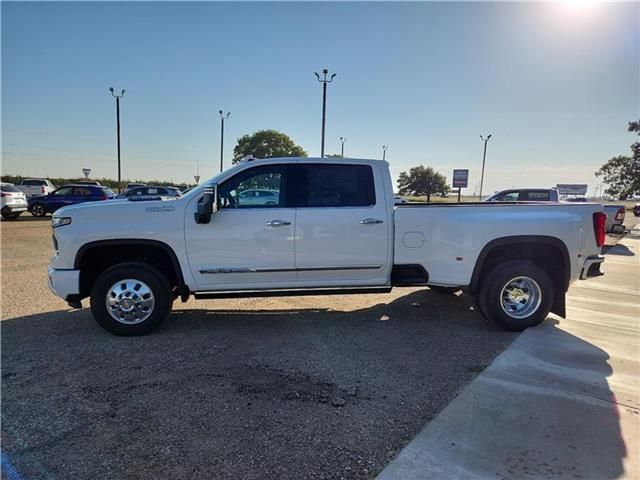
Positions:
(34, 183)
(258, 187)
(336, 186)
(537, 196)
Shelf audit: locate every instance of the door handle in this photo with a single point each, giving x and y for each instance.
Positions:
(277, 223)
(370, 221)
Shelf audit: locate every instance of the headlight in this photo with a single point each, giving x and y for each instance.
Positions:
(60, 221)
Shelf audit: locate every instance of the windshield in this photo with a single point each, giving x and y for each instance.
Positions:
(9, 188)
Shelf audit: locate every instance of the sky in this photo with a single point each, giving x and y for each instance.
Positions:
(554, 83)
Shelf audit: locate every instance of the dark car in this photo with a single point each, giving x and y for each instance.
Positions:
(636, 210)
(66, 195)
(525, 195)
(150, 192)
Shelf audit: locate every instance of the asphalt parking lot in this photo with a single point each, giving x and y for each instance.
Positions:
(311, 387)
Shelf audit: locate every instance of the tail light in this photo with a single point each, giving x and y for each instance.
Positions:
(5, 195)
(599, 220)
(620, 214)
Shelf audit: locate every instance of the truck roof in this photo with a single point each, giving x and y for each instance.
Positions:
(315, 160)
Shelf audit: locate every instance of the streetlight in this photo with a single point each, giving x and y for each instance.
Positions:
(223, 117)
(118, 97)
(384, 151)
(86, 172)
(342, 140)
(484, 156)
(324, 82)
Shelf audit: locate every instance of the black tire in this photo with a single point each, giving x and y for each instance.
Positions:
(10, 215)
(138, 272)
(444, 290)
(490, 295)
(38, 210)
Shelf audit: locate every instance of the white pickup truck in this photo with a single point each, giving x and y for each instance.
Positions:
(36, 186)
(331, 228)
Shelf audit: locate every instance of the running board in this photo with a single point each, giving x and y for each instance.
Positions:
(290, 292)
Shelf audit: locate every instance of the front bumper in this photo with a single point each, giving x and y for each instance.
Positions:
(64, 283)
(591, 267)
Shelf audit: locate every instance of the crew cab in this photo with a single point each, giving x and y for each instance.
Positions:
(333, 229)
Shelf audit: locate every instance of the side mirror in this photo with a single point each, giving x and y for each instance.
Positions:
(208, 204)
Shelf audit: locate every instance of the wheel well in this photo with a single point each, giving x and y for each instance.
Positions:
(92, 260)
(549, 253)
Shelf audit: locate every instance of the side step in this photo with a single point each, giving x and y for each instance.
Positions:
(290, 292)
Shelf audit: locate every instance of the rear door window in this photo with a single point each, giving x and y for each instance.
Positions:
(324, 185)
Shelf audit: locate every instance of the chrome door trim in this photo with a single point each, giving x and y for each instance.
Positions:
(280, 270)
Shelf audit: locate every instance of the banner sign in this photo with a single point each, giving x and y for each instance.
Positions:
(460, 178)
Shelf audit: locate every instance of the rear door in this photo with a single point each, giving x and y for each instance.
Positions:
(341, 232)
(59, 198)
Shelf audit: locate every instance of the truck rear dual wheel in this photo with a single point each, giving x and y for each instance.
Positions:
(516, 295)
(131, 298)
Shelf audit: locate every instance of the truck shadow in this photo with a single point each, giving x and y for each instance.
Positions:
(242, 393)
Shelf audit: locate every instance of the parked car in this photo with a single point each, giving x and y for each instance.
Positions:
(12, 201)
(151, 192)
(525, 195)
(636, 209)
(40, 205)
(36, 186)
(615, 213)
(335, 230)
(258, 196)
(398, 200)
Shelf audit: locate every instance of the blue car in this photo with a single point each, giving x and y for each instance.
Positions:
(40, 205)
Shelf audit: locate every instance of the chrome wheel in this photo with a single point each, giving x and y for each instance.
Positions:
(520, 297)
(130, 301)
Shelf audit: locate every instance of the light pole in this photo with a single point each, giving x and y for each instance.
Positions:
(384, 151)
(118, 97)
(342, 140)
(324, 80)
(484, 157)
(223, 117)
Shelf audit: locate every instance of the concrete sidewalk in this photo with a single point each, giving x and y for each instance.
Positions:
(563, 401)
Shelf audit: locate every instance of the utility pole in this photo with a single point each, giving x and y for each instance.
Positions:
(324, 80)
(86, 172)
(342, 140)
(484, 157)
(223, 117)
(384, 151)
(118, 97)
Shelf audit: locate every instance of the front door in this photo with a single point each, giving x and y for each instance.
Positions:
(249, 243)
(342, 229)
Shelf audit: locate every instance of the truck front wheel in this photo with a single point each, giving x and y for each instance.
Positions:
(516, 295)
(131, 298)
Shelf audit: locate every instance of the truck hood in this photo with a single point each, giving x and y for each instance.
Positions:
(107, 209)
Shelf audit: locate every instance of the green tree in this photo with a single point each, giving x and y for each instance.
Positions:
(622, 173)
(266, 144)
(422, 181)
